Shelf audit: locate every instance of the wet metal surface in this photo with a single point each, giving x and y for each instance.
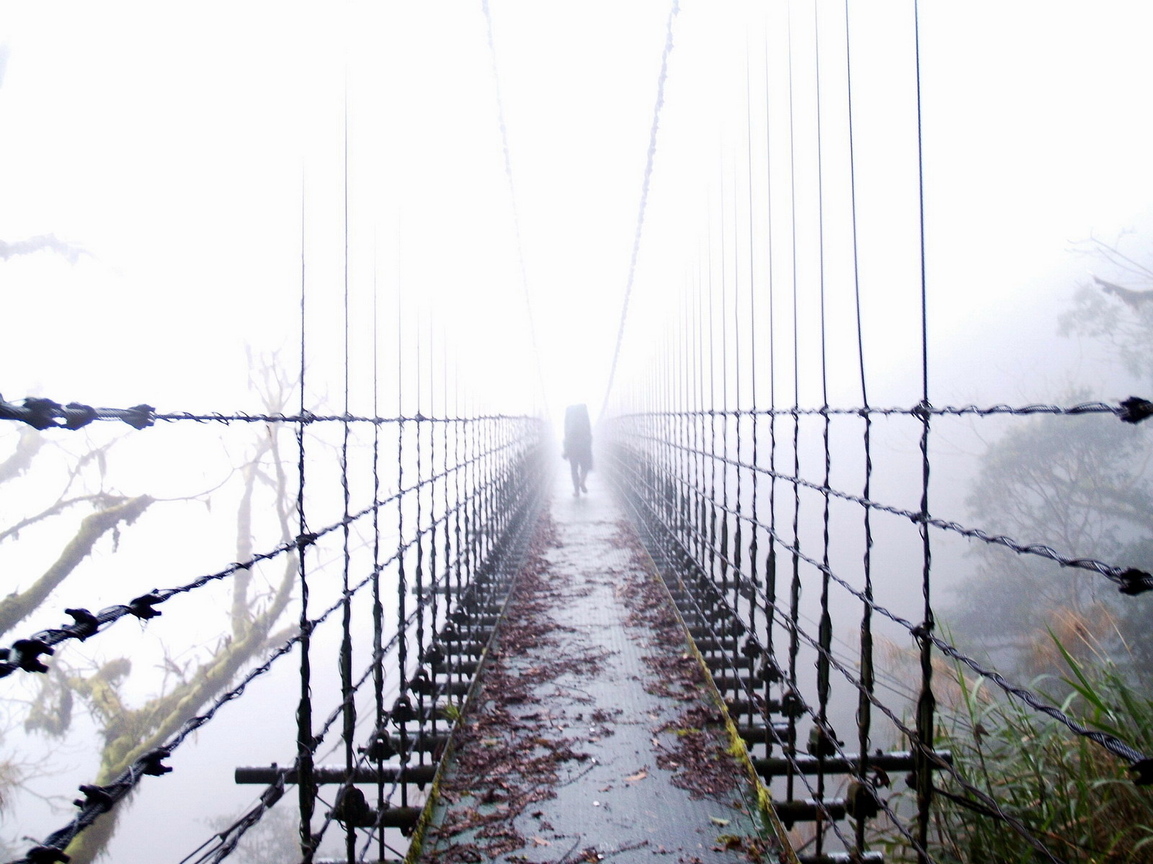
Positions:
(595, 733)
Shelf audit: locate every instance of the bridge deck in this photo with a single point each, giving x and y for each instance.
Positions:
(594, 731)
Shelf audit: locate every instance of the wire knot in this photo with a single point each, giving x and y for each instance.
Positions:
(923, 410)
(305, 540)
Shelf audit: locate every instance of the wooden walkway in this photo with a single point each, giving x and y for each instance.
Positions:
(593, 731)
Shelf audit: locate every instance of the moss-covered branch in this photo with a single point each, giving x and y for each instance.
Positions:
(16, 607)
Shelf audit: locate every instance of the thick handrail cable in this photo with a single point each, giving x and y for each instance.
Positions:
(1130, 410)
(1140, 763)
(25, 653)
(1130, 580)
(100, 799)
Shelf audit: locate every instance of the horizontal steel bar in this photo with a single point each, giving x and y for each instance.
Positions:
(332, 774)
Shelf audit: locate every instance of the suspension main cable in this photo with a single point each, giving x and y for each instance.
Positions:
(651, 155)
(515, 205)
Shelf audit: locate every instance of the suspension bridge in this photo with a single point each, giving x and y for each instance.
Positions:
(727, 648)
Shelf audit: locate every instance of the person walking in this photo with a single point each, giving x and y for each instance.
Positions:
(578, 446)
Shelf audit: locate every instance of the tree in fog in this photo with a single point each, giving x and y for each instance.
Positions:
(1078, 484)
(127, 730)
(272, 840)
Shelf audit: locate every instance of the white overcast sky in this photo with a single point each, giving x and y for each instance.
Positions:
(171, 143)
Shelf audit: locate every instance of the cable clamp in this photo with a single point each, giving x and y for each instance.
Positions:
(1134, 582)
(767, 671)
(1135, 409)
(421, 684)
(1144, 771)
(823, 743)
(861, 801)
(139, 416)
(25, 654)
(151, 763)
(95, 796)
(792, 705)
(352, 809)
(402, 711)
(77, 416)
(142, 606)
(380, 746)
(41, 412)
(86, 623)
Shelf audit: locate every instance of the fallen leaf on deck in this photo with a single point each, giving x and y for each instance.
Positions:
(640, 775)
(716, 820)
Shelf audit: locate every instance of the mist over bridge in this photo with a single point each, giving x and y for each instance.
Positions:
(768, 417)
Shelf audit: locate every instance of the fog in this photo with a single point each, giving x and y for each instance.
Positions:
(472, 178)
